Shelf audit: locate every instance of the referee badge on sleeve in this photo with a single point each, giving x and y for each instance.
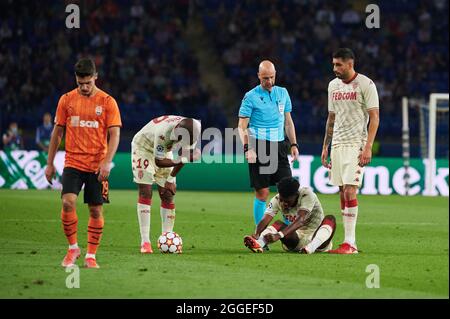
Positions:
(281, 107)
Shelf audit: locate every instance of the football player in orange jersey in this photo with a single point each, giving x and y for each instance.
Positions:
(87, 115)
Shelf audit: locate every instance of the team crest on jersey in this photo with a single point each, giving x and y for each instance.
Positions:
(354, 85)
(140, 174)
(162, 137)
(98, 110)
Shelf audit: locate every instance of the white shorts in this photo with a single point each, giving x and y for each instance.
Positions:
(344, 166)
(305, 236)
(144, 168)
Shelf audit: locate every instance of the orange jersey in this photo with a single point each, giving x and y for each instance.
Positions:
(86, 120)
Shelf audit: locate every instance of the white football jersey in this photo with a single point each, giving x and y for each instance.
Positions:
(307, 201)
(158, 137)
(350, 101)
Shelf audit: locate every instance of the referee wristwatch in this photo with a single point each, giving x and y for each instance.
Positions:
(294, 144)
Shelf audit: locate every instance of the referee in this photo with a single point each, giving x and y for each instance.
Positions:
(264, 117)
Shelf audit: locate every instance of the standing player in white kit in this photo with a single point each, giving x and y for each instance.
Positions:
(152, 162)
(352, 106)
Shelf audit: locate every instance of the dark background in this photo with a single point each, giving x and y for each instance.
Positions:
(151, 57)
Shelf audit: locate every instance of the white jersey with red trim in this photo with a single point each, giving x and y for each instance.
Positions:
(307, 201)
(158, 137)
(350, 101)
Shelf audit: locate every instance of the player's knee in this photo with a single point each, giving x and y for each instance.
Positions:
(95, 211)
(166, 196)
(279, 225)
(329, 220)
(68, 205)
(262, 193)
(349, 192)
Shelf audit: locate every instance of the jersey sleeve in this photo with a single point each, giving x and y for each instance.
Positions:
(330, 100)
(113, 115)
(273, 207)
(246, 107)
(371, 96)
(61, 111)
(288, 106)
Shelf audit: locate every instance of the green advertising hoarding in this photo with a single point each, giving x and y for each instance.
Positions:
(384, 176)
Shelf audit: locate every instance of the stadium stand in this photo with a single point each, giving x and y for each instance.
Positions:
(147, 64)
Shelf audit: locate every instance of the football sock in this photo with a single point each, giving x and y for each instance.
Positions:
(167, 211)
(322, 235)
(70, 223)
(89, 256)
(259, 207)
(349, 218)
(95, 230)
(143, 212)
(269, 230)
(342, 203)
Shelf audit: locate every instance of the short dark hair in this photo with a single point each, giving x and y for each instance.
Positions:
(288, 186)
(344, 54)
(85, 67)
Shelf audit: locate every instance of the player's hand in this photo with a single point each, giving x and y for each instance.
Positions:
(365, 156)
(191, 155)
(294, 153)
(195, 155)
(251, 156)
(270, 238)
(103, 171)
(50, 172)
(171, 187)
(324, 158)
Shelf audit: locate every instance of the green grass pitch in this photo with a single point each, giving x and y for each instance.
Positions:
(407, 238)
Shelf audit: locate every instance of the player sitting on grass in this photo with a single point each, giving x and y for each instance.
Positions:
(304, 230)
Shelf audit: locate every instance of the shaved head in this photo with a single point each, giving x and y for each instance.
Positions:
(266, 66)
(266, 74)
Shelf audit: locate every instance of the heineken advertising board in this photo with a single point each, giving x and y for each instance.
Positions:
(384, 176)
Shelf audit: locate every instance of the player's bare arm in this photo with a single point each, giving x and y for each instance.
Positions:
(290, 132)
(327, 139)
(250, 154)
(105, 165)
(55, 140)
(296, 224)
(167, 162)
(374, 120)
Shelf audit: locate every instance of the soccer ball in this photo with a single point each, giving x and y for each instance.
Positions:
(170, 242)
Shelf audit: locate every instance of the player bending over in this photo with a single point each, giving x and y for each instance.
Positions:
(152, 162)
(304, 230)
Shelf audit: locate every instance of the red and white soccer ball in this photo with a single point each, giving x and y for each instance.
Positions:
(170, 243)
